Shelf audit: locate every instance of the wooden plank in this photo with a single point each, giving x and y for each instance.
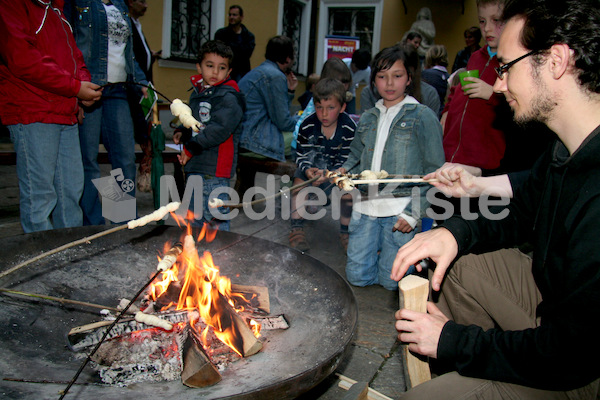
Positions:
(358, 391)
(413, 296)
(261, 292)
(346, 383)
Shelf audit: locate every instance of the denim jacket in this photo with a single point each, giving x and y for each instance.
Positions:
(267, 111)
(413, 147)
(88, 19)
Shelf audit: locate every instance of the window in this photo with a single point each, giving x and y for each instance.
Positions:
(350, 18)
(187, 24)
(353, 22)
(294, 22)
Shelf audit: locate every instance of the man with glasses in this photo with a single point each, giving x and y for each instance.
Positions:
(500, 324)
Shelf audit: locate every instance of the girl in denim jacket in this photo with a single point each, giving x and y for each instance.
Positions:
(400, 136)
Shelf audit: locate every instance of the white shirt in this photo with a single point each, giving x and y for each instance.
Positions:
(385, 206)
(118, 34)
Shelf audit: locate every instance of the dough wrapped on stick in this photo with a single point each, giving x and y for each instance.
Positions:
(184, 113)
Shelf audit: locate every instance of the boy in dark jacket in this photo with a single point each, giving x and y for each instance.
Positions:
(218, 104)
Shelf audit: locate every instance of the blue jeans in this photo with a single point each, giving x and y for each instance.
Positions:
(110, 117)
(50, 175)
(210, 183)
(372, 248)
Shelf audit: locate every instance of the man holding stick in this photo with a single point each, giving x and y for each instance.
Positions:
(505, 325)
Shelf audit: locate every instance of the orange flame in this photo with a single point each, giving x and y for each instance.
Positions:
(204, 292)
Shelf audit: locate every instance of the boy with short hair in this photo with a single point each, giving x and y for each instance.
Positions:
(324, 141)
(471, 133)
(219, 106)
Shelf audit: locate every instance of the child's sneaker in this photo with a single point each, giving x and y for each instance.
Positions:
(298, 240)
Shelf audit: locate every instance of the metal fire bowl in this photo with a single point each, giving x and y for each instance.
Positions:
(317, 302)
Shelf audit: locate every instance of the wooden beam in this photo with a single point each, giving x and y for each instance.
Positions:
(413, 296)
(346, 383)
(198, 371)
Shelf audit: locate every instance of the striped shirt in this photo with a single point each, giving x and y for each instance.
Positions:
(315, 150)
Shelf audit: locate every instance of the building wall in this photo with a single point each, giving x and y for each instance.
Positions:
(261, 17)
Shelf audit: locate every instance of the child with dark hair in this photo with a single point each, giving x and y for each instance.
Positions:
(218, 105)
(400, 136)
(323, 145)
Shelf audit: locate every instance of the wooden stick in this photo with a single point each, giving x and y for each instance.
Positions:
(131, 225)
(346, 383)
(60, 300)
(413, 296)
(215, 203)
(396, 180)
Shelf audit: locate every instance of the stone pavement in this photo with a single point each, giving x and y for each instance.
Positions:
(373, 356)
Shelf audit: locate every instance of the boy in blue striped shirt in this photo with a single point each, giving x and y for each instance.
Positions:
(323, 144)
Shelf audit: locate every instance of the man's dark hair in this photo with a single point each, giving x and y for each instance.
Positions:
(361, 58)
(279, 49)
(412, 35)
(239, 8)
(329, 88)
(575, 23)
(335, 68)
(215, 47)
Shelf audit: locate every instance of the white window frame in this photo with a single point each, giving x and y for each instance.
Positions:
(304, 34)
(216, 22)
(323, 27)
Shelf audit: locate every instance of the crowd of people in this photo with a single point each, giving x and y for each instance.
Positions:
(524, 127)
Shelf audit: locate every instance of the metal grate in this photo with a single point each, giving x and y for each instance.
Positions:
(190, 28)
(292, 23)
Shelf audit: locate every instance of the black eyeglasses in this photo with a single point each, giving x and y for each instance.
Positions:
(501, 70)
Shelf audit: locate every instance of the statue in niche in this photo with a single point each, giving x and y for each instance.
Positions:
(425, 27)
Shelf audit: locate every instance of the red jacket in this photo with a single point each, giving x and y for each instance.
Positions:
(470, 135)
(41, 68)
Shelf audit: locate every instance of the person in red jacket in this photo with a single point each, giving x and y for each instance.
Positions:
(470, 134)
(42, 77)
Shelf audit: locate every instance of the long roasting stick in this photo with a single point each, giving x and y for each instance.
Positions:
(59, 299)
(155, 216)
(393, 180)
(215, 203)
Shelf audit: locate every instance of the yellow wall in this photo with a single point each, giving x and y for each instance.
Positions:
(448, 19)
(261, 16)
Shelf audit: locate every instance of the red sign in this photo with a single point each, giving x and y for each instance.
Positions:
(340, 46)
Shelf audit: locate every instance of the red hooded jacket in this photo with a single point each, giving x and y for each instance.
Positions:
(41, 68)
(471, 133)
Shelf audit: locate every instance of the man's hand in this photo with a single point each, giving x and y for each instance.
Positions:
(421, 331)
(402, 226)
(292, 81)
(478, 89)
(438, 244)
(456, 180)
(89, 93)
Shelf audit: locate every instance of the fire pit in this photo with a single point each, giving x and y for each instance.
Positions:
(317, 302)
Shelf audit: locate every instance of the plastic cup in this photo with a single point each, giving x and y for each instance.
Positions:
(474, 73)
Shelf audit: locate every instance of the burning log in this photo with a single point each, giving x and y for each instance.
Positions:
(257, 296)
(198, 370)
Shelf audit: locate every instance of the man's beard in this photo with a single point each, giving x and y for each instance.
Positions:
(542, 105)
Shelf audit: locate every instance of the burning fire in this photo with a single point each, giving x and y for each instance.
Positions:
(204, 292)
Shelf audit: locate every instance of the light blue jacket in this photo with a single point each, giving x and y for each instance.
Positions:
(267, 111)
(88, 18)
(413, 147)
